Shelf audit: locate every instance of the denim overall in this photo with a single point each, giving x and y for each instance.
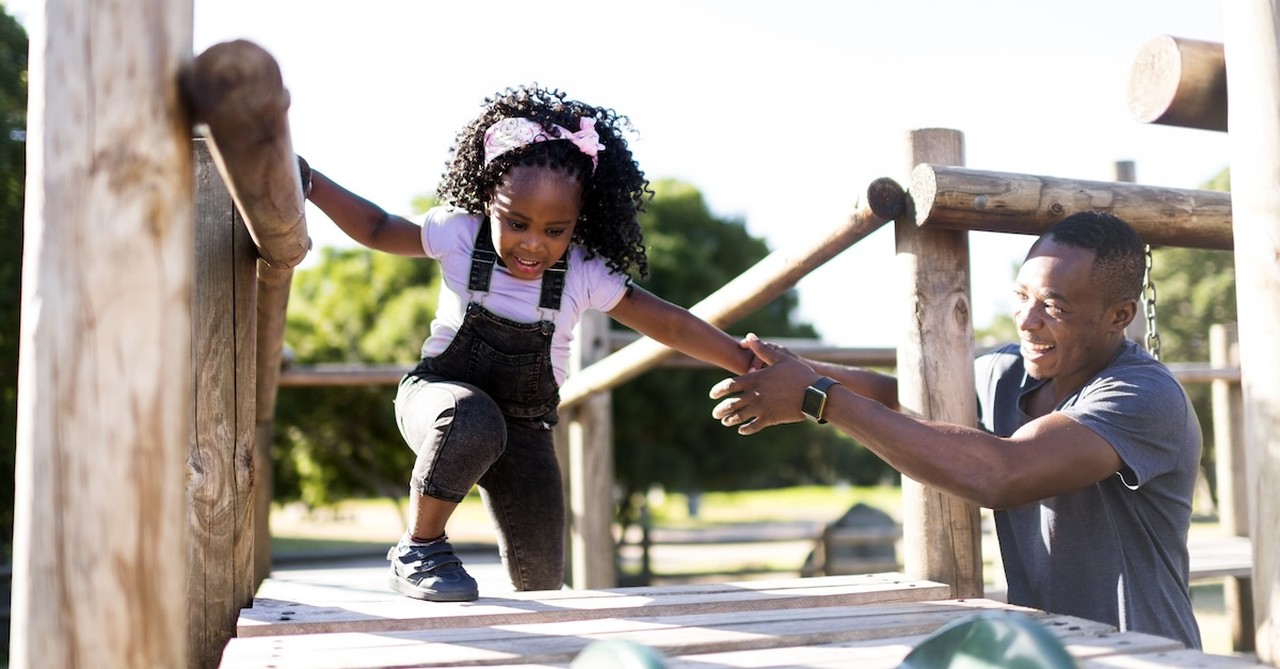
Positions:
(481, 413)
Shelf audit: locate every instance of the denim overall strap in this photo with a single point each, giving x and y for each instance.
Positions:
(483, 257)
(553, 283)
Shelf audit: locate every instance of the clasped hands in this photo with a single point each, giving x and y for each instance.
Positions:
(767, 396)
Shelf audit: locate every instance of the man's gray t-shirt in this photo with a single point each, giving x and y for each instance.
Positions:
(1115, 551)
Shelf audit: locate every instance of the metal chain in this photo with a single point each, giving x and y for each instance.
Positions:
(1149, 307)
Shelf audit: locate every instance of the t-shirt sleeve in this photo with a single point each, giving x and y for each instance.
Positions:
(605, 288)
(1142, 415)
(445, 229)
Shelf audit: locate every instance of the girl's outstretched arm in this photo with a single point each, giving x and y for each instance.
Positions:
(364, 221)
(674, 326)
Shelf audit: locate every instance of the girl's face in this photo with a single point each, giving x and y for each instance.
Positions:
(531, 215)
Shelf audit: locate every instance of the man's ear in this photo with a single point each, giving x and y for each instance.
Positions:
(1123, 313)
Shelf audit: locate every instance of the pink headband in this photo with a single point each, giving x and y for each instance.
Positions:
(513, 133)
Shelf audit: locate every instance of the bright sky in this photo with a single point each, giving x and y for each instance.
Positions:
(779, 112)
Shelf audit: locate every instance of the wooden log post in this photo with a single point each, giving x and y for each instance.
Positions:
(104, 390)
(962, 199)
(220, 466)
(883, 201)
(1252, 31)
(273, 298)
(584, 442)
(235, 90)
(942, 535)
(1179, 82)
(1231, 475)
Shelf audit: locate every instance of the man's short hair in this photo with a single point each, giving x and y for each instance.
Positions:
(1119, 253)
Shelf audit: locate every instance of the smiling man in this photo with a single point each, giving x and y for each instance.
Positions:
(1088, 450)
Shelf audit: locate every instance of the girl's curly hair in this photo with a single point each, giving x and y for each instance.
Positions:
(612, 197)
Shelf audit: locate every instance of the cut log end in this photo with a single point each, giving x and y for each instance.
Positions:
(234, 78)
(1154, 78)
(924, 190)
(886, 198)
(1179, 82)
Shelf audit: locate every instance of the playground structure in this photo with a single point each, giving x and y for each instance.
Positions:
(118, 565)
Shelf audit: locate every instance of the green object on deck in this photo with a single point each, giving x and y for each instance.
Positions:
(988, 640)
(618, 654)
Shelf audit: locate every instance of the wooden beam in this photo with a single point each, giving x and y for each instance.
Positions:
(586, 435)
(1252, 32)
(104, 383)
(272, 298)
(345, 375)
(235, 90)
(883, 201)
(963, 199)
(1179, 82)
(942, 535)
(1232, 479)
(220, 468)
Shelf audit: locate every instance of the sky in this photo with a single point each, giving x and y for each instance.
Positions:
(780, 113)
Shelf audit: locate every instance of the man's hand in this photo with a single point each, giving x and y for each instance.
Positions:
(769, 396)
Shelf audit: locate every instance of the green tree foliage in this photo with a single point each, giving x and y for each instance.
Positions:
(354, 306)
(663, 431)
(13, 124)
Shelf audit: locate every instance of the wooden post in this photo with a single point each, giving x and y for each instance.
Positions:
(236, 91)
(273, 299)
(1231, 475)
(962, 199)
(104, 391)
(775, 274)
(1252, 30)
(1179, 82)
(942, 535)
(220, 471)
(585, 440)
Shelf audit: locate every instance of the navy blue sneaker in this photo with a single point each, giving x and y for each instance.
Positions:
(430, 571)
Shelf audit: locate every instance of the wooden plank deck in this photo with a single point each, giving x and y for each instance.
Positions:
(870, 620)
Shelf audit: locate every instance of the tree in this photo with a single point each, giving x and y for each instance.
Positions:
(355, 306)
(13, 124)
(663, 431)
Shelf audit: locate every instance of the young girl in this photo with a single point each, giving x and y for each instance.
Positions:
(542, 226)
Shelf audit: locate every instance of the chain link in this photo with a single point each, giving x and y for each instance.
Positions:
(1149, 307)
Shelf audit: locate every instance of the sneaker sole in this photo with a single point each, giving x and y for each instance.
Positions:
(410, 590)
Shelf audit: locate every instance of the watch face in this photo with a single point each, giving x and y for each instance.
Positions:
(814, 402)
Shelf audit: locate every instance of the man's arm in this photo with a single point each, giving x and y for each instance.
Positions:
(1046, 457)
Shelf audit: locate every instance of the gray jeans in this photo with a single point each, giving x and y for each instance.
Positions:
(462, 439)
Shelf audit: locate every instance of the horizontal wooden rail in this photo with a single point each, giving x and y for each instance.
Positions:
(331, 375)
(389, 375)
(235, 90)
(1179, 82)
(965, 199)
(883, 201)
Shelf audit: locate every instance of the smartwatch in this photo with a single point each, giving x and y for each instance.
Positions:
(815, 399)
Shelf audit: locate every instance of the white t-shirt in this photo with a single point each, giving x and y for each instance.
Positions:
(449, 235)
